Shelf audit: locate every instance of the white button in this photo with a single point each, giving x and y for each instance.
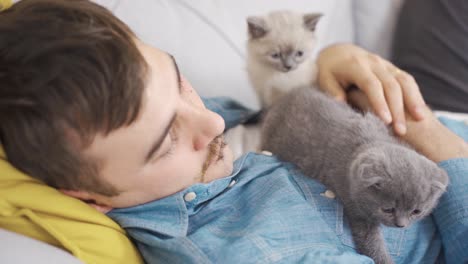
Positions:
(190, 196)
(232, 183)
(268, 153)
(329, 194)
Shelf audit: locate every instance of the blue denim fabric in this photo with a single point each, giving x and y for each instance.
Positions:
(232, 112)
(458, 127)
(451, 215)
(268, 212)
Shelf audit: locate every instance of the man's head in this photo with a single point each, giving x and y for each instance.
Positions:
(85, 106)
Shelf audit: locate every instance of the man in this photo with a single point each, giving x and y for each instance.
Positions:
(111, 121)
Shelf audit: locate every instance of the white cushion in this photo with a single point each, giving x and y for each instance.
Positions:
(19, 249)
(207, 37)
(374, 24)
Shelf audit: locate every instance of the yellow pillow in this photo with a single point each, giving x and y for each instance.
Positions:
(4, 4)
(31, 208)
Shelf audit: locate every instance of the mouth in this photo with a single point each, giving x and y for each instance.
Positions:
(215, 154)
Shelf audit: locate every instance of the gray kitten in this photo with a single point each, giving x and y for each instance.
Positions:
(279, 53)
(378, 179)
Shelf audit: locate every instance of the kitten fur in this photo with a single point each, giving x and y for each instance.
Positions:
(378, 179)
(279, 53)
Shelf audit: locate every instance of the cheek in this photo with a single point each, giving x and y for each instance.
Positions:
(171, 176)
(274, 62)
(386, 218)
(417, 217)
(301, 59)
(268, 58)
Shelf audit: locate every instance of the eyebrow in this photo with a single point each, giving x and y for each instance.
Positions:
(176, 68)
(159, 140)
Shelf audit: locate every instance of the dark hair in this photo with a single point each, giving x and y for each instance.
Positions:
(68, 71)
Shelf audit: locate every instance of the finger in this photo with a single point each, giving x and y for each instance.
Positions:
(372, 87)
(332, 87)
(412, 97)
(394, 98)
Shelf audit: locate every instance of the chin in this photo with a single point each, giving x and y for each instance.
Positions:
(222, 168)
(228, 160)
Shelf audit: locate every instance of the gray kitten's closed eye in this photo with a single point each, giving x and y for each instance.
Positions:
(379, 179)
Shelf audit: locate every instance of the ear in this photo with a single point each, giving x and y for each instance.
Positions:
(440, 181)
(88, 198)
(367, 175)
(311, 20)
(257, 27)
(366, 170)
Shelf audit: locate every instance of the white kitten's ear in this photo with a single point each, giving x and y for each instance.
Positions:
(311, 20)
(257, 27)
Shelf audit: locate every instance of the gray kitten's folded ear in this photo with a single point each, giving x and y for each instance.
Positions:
(366, 170)
(367, 175)
(257, 27)
(311, 20)
(440, 180)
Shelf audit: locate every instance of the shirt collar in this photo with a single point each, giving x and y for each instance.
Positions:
(169, 216)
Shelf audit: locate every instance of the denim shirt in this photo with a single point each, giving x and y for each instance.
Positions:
(266, 211)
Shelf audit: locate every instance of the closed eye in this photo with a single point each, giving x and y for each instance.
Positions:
(174, 140)
(275, 55)
(388, 210)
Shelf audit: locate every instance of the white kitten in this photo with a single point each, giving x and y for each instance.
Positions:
(279, 53)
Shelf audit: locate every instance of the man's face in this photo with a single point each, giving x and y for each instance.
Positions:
(172, 145)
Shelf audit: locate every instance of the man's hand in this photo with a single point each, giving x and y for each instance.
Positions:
(428, 136)
(389, 90)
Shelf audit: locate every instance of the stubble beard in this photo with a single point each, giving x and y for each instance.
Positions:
(215, 152)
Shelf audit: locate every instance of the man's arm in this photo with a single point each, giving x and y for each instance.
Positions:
(428, 136)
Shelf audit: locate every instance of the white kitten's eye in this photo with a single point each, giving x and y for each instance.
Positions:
(299, 53)
(388, 210)
(416, 212)
(275, 55)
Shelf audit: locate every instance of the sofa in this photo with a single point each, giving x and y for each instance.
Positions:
(208, 39)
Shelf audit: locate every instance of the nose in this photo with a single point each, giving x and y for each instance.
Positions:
(401, 222)
(288, 63)
(204, 126)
